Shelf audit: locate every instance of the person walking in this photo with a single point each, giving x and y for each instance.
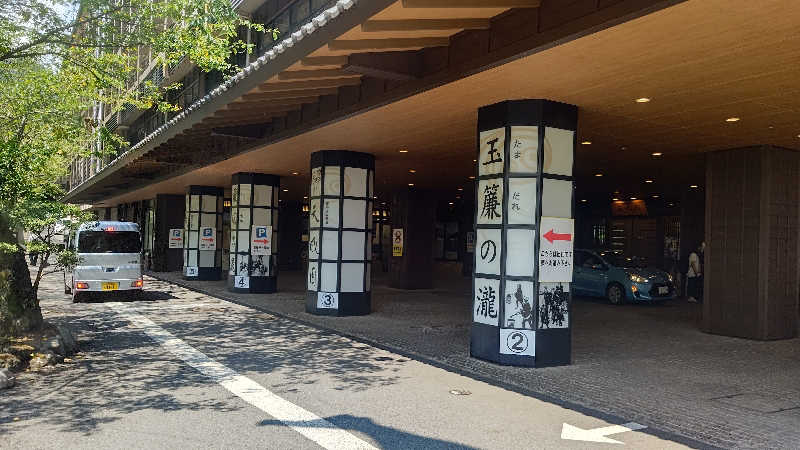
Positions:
(694, 276)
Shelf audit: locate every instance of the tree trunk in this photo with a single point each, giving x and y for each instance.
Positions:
(19, 307)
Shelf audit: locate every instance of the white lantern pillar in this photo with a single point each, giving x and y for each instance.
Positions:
(202, 233)
(340, 223)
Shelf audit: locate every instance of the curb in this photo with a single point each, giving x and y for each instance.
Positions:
(474, 374)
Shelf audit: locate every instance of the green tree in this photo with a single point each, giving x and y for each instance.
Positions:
(58, 60)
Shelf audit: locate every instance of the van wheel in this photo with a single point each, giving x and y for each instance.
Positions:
(78, 297)
(615, 294)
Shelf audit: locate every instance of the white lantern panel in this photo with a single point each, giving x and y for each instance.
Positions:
(316, 181)
(523, 149)
(330, 244)
(234, 218)
(195, 203)
(330, 213)
(491, 157)
(244, 218)
(522, 201)
(520, 305)
(488, 251)
(262, 195)
(243, 237)
(208, 220)
(262, 216)
(313, 244)
(314, 214)
(194, 238)
(235, 195)
(490, 201)
(520, 254)
(243, 268)
(553, 305)
(333, 180)
(245, 192)
(194, 221)
(207, 258)
(352, 277)
(261, 266)
(355, 182)
(209, 203)
(558, 151)
(192, 262)
(186, 207)
(486, 303)
(185, 257)
(232, 264)
(353, 245)
(557, 198)
(328, 277)
(354, 212)
(313, 277)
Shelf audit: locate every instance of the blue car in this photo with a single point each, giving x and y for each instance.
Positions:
(619, 278)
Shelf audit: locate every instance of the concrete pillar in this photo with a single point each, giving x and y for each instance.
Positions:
(524, 233)
(340, 220)
(168, 244)
(254, 233)
(202, 233)
(414, 212)
(751, 256)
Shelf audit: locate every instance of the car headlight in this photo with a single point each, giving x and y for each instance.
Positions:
(637, 278)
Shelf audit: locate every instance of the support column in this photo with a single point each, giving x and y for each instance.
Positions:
(751, 255)
(202, 234)
(254, 233)
(339, 244)
(414, 212)
(524, 233)
(168, 247)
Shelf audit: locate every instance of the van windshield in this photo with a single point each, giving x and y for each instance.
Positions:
(109, 242)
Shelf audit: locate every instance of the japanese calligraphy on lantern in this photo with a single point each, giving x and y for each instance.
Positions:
(327, 300)
(520, 305)
(487, 256)
(208, 238)
(492, 150)
(490, 201)
(397, 242)
(261, 241)
(517, 342)
(556, 249)
(522, 201)
(524, 149)
(176, 238)
(486, 305)
(241, 282)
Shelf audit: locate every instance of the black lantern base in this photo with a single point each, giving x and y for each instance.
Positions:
(553, 347)
(206, 274)
(350, 304)
(258, 285)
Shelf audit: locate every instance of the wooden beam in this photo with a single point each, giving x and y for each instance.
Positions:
(425, 24)
(401, 66)
(322, 74)
(262, 103)
(471, 3)
(324, 61)
(367, 45)
(310, 84)
(288, 95)
(227, 113)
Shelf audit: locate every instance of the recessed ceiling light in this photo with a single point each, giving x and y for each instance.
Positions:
(642, 100)
(285, 190)
(694, 186)
(648, 181)
(615, 199)
(598, 174)
(655, 195)
(458, 197)
(305, 196)
(295, 173)
(412, 171)
(798, 135)
(403, 151)
(410, 184)
(472, 177)
(450, 203)
(657, 154)
(474, 160)
(623, 148)
(586, 143)
(460, 189)
(583, 200)
(633, 198)
(732, 119)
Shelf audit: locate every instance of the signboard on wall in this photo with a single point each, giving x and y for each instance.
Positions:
(556, 249)
(176, 238)
(208, 239)
(628, 208)
(241, 282)
(397, 242)
(470, 242)
(261, 240)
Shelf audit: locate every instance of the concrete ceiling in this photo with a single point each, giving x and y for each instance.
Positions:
(699, 62)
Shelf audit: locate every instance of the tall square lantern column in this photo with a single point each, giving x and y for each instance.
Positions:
(524, 233)
(340, 223)
(202, 233)
(254, 233)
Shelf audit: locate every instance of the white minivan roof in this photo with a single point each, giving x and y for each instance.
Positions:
(104, 225)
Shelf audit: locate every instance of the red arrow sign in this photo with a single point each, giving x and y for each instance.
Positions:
(550, 236)
(262, 241)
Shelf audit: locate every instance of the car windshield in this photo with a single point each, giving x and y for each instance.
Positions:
(621, 260)
(109, 242)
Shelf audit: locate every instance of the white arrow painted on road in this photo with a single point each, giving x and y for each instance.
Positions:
(574, 433)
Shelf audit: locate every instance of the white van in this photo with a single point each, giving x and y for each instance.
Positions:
(109, 259)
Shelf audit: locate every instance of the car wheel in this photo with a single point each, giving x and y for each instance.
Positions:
(77, 297)
(615, 294)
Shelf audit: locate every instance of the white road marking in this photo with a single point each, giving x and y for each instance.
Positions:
(574, 433)
(304, 422)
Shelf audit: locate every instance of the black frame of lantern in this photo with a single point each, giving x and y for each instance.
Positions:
(203, 273)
